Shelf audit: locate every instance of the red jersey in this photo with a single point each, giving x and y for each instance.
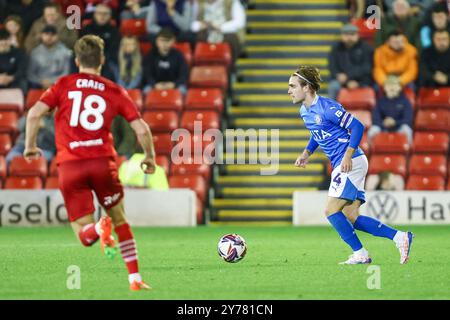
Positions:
(86, 106)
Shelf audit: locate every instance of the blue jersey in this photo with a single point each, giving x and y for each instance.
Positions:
(328, 121)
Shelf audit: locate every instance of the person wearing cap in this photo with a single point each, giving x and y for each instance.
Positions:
(49, 60)
(393, 112)
(350, 62)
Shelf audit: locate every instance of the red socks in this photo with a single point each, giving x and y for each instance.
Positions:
(127, 247)
(88, 236)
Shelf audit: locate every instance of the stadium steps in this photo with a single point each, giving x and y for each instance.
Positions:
(282, 34)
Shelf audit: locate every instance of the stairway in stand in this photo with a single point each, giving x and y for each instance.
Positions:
(283, 34)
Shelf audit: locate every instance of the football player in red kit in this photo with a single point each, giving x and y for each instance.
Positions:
(86, 105)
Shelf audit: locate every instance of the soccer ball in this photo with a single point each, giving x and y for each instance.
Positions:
(232, 247)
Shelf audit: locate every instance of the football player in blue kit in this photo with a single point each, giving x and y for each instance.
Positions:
(339, 134)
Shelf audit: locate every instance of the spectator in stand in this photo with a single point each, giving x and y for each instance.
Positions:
(129, 72)
(135, 9)
(28, 10)
(52, 16)
(220, 20)
(12, 64)
(439, 21)
(396, 57)
(164, 66)
(124, 138)
(393, 112)
(49, 60)
(91, 7)
(417, 7)
(173, 14)
(401, 19)
(435, 62)
(13, 24)
(350, 62)
(385, 181)
(358, 8)
(45, 139)
(101, 26)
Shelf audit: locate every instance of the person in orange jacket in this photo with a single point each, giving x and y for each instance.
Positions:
(396, 57)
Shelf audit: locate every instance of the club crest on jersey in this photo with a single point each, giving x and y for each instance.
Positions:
(317, 119)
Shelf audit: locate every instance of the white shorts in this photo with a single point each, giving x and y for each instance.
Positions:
(350, 186)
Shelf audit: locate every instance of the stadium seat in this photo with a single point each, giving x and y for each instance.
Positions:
(8, 122)
(20, 167)
(428, 165)
(163, 143)
(163, 162)
(164, 100)
(145, 47)
(418, 182)
(360, 98)
(11, 100)
(209, 77)
(210, 99)
(365, 144)
(364, 116)
(185, 49)
(52, 183)
(161, 121)
(133, 27)
(191, 168)
(390, 142)
(33, 96)
(23, 183)
(433, 120)
(208, 119)
(365, 32)
(136, 96)
(409, 93)
(194, 182)
(5, 143)
(53, 171)
(431, 142)
(394, 163)
(431, 98)
(2, 168)
(212, 53)
(194, 146)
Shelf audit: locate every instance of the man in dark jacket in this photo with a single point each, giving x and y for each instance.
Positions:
(435, 62)
(165, 67)
(13, 66)
(350, 62)
(393, 112)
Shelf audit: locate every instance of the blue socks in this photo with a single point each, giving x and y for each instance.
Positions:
(374, 227)
(345, 229)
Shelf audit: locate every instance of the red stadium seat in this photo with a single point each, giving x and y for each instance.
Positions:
(5, 143)
(209, 77)
(2, 168)
(11, 100)
(418, 182)
(212, 53)
(52, 183)
(431, 142)
(208, 119)
(145, 47)
(163, 143)
(193, 149)
(430, 98)
(161, 121)
(428, 165)
(193, 182)
(394, 163)
(53, 171)
(20, 167)
(133, 27)
(365, 144)
(136, 96)
(163, 162)
(360, 98)
(164, 100)
(8, 122)
(191, 168)
(185, 49)
(433, 120)
(33, 96)
(409, 93)
(210, 99)
(390, 142)
(364, 116)
(365, 32)
(23, 183)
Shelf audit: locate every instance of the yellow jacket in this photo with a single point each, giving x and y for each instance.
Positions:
(403, 64)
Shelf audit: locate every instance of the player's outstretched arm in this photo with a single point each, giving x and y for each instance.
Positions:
(302, 160)
(32, 127)
(145, 139)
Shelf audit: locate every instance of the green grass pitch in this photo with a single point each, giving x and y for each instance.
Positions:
(182, 263)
